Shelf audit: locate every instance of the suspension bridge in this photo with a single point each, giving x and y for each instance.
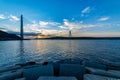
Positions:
(16, 27)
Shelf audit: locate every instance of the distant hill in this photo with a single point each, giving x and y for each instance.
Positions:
(75, 38)
(6, 36)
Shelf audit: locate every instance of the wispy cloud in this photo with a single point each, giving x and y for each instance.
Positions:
(2, 16)
(13, 18)
(104, 18)
(85, 11)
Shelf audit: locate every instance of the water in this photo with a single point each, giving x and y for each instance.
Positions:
(14, 52)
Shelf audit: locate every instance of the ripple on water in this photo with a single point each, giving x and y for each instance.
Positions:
(103, 51)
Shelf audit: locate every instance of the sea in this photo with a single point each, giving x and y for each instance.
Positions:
(17, 52)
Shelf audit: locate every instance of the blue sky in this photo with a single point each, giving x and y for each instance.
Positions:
(57, 17)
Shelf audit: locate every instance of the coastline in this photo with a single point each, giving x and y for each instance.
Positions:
(67, 38)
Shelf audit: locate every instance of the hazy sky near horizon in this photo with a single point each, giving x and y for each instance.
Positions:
(57, 17)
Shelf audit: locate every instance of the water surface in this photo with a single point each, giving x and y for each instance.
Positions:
(14, 52)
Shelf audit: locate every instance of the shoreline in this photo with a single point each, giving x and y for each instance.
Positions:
(67, 38)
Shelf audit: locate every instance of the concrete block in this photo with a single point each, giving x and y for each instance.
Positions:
(75, 70)
(35, 72)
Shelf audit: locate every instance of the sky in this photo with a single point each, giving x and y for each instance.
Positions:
(86, 18)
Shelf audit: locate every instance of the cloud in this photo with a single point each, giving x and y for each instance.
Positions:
(56, 28)
(3, 29)
(38, 27)
(49, 31)
(10, 17)
(48, 24)
(34, 27)
(104, 18)
(42, 23)
(85, 11)
(54, 32)
(2, 16)
(97, 34)
(13, 18)
(63, 27)
(47, 27)
(75, 25)
(82, 27)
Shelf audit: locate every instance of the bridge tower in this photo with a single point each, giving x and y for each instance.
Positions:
(70, 34)
(21, 27)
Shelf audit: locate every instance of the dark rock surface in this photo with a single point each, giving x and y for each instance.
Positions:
(7, 36)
